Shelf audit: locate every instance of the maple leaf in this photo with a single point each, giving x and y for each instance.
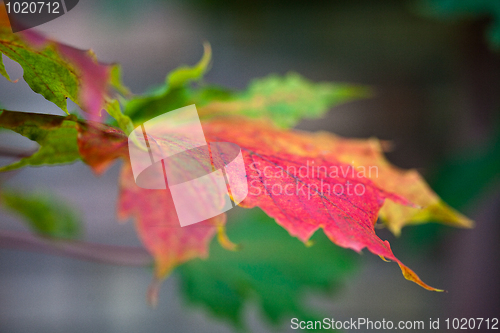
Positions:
(347, 220)
(58, 71)
(56, 136)
(301, 207)
(409, 184)
(66, 139)
(285, 100)
(302, 204)
(274, 158)
(159, 228)
(154, 213)
(100, 145)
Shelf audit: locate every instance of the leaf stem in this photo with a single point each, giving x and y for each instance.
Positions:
(106, 254)
(9, 152)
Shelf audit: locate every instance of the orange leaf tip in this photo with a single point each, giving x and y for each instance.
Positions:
(411, 276)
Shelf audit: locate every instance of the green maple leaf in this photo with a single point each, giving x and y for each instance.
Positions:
(57, 137)
(58, 71)
(285, 100)
(271, 268)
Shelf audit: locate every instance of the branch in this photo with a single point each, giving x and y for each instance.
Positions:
(9, 152)
(107, 254)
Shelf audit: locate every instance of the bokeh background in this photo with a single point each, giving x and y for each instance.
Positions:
(436, 75)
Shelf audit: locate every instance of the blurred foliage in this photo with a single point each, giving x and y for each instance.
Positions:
(44, 214)
(271, 268)
(472, 170)
(458, 179)
(452, 9)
